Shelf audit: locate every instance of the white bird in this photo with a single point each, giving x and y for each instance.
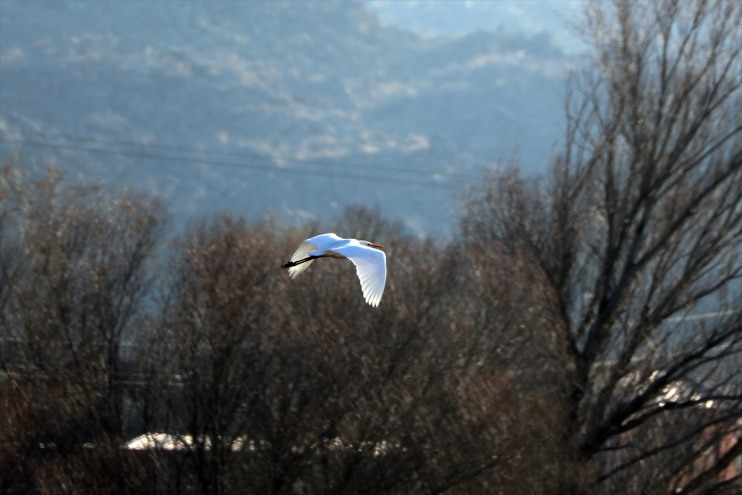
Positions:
(368, 257)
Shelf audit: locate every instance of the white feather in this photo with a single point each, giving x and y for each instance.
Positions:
(370, 262)
(304, 249)
(370, 267)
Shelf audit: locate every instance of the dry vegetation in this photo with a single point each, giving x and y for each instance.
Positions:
(549, 350)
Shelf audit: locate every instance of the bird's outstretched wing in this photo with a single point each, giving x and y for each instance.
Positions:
(303, 252)
(371, 268)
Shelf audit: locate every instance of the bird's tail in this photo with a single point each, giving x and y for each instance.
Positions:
(298, 262)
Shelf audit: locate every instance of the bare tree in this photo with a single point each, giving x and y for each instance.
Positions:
(266, 384)
(75, 289)
(638, 233)
(297, 386)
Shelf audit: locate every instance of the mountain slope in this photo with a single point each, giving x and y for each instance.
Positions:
(295, 107)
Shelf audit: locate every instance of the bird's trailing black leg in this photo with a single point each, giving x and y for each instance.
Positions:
(299, 262)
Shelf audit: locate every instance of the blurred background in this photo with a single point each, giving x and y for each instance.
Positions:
(562, 222)
(296, 109)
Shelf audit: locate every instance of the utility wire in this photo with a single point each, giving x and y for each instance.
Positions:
(223, 163)
(104, 147)
(238, 154)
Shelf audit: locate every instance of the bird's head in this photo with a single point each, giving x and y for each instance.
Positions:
(371, 244)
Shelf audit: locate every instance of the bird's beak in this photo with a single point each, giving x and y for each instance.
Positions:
(377, 246)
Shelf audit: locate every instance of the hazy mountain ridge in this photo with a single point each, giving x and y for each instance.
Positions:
(322, 88)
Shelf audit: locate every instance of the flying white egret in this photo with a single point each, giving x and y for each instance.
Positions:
(368, 257)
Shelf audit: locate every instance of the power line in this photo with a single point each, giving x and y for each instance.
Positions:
(711, 315)
(238, 154)
(223, 163)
